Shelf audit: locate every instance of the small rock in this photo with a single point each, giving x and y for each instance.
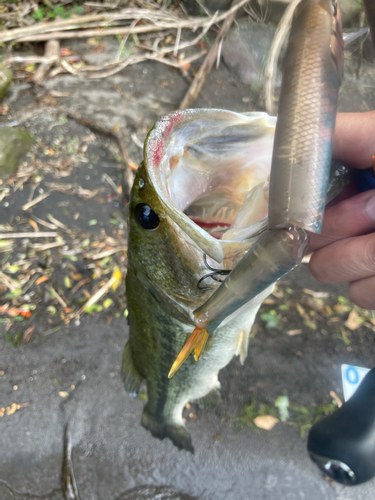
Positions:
(14, 142)
(6, 77)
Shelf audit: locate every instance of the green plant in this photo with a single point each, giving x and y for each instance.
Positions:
(271, 319)
(14, 340)
(49, 11)
(296, 415)
(253, 410)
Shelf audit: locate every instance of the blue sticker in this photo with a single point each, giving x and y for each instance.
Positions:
(352, 375)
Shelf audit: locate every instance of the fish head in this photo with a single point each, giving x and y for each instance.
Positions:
(157, 247)
(203, 182)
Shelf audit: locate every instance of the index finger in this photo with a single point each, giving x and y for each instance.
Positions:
(354, 140)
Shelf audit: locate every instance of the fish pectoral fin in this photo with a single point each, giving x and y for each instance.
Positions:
(176, 433)
(131, 378)
(242, 345)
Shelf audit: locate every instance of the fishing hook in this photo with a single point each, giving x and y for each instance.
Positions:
(220, 272)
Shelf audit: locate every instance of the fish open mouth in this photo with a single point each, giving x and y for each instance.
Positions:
(210, 169)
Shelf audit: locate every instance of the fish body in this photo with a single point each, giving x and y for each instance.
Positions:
(191, 158)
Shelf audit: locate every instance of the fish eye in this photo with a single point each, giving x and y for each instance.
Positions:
(146, 217)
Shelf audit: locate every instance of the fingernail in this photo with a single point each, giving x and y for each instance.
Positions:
(370, 208)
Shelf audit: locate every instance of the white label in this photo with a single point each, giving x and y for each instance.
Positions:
(352, 376)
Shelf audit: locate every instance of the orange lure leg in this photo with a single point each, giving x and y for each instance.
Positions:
(197, 342)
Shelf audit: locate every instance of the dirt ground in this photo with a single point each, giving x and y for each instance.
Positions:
(62, 365)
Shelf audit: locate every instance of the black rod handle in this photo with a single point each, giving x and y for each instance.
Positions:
(343, 444)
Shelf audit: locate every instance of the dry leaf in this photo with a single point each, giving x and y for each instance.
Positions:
(42, 279)
(4, 109)
(269, 301)
(318, 295)
(334, 320)
(354, 321)
(294, 332)
(118, 278)
(34, 225)
(328, 310)
(65, 51)
(266, 422)
(4, 307)
(301, 311)
(185, 65)
(92, 41)
(13, 311)
(27, 335)
(12, 408)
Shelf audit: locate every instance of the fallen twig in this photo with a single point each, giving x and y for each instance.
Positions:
(206, 67)
(107, 178)
(52, 55)
(92, 300)
(58, 223)
(160, 21)
(103, 19)
(136, 141)
(47, 246)
(273, 55)
(37, 200)
(336, 398)
(55, 295)
(50, 234)
(11, 284)
(74, 189)
(106, 253)
(43, 222)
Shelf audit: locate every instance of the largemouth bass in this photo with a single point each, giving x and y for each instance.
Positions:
(199, 202)
(200, 191)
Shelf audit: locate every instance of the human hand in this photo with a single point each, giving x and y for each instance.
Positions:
(345, 251)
